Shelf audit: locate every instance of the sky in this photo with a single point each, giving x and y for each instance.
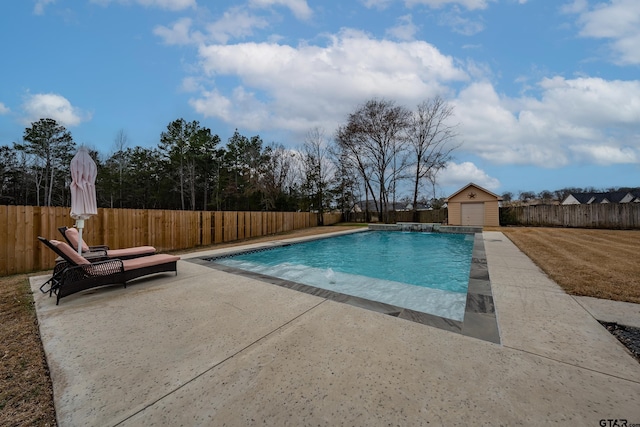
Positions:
(545, 93)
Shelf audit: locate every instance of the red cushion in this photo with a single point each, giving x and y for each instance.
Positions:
(71, 253)
(74, 237)
(146, 261)
(127, 252)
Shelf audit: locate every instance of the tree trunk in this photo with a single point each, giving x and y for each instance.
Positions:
(415, 194)
(50, 189)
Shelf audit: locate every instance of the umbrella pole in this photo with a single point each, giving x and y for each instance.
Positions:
(80, 226)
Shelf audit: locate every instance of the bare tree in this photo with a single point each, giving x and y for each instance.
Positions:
(121, 143)
(546, 197)
(346, 190)
(526, 196)
(277, 175)
(430, 136)
(351, 159)
(316, 170)
(374, 135)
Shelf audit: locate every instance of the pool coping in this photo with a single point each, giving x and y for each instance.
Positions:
(479, 319)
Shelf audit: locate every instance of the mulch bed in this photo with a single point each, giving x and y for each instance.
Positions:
(627, 335)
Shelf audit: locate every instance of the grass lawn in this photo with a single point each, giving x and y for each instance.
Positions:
(597, 263)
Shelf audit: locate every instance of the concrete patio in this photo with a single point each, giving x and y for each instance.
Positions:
(210, 348)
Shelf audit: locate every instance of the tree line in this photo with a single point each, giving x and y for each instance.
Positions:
(382, 154)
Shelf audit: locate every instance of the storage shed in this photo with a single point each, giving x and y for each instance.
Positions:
(474, 205)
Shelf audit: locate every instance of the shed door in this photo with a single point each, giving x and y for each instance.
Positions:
(472, 213)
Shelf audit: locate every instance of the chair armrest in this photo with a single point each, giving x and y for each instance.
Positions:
(97, 255)
(98, 248)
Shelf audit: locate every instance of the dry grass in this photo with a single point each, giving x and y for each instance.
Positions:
(26, 396)
(598, 263)
(595, 263)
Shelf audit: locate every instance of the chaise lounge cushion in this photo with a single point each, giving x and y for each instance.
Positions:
(69, 252)
(148, 261)
(131, 252)
(74, 237)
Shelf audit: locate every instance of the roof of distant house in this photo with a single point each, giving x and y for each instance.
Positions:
(604, 197)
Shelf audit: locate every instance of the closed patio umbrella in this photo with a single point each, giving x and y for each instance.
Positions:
(83, 189)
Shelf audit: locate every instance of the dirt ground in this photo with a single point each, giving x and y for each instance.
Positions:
(26, 397)
(598, 263)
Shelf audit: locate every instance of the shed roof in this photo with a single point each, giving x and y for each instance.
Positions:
(471, 184)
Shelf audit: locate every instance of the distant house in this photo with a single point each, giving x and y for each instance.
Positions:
(632, 196)
(474, 205)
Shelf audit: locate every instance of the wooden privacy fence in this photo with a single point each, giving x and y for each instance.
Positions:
(602, 215)
(431, 216)
(21, 252)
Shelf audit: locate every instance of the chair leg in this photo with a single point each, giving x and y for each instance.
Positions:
(54, 280)
(44, 284)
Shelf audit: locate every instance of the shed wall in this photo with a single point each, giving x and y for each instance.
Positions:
(454, 214)
(492, 213)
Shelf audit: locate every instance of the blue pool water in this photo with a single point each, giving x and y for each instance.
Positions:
(427, 272)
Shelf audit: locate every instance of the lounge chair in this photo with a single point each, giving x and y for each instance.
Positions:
(72, 236)
(78, 274)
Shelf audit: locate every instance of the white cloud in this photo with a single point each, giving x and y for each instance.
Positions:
(4, 109)
(235, 23)
(460, 174)
(459, 24)
(469, 4)
(38, 8)
(404, 30)
(52, 106)
(160, 4)
(592, 102)
(606, 154)
(191, 84)
(376, 4)
(178, 34)
(579, 120)
(213, 104)
(435, 4)
(576, 6)
(299, 8)
(297, 88)
(617, 21)
(452, 17)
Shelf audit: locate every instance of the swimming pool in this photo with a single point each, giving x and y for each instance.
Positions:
(425, 272)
